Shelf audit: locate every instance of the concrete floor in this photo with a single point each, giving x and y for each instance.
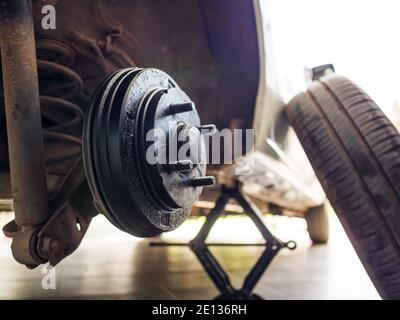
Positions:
(111, 264)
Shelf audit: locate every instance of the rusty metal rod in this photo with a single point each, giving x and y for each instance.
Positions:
(22, 106)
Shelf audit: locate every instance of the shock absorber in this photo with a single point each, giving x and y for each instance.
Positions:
(62, 117)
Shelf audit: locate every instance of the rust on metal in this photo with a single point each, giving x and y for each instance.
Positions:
(22, 108)
(62, 234)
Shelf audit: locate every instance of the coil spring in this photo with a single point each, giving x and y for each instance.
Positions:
(62, 117)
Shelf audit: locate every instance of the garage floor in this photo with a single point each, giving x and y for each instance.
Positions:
(111, 264)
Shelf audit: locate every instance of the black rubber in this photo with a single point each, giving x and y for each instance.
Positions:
(355, 152)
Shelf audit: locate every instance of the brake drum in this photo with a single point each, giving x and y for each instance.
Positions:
(136, 117)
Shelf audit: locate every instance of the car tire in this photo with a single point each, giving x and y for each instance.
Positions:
(318, 224)
(355, 152)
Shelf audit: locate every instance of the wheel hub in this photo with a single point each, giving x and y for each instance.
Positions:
(143, 151)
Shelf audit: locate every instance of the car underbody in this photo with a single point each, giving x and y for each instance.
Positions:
(79, 101)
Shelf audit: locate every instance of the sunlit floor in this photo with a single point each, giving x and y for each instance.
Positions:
(110, 264)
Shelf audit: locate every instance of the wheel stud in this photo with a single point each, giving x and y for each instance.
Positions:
(181, 107)
(180, 166)
(203, 181)
(208, 129)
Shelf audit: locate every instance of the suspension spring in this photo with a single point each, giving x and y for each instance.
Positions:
(62, 118)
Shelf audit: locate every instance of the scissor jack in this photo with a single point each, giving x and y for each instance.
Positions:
(213, 268)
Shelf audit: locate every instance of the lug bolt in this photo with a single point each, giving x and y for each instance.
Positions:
(208, 129)
(203, 181)
(180, 166)
(181, 107)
